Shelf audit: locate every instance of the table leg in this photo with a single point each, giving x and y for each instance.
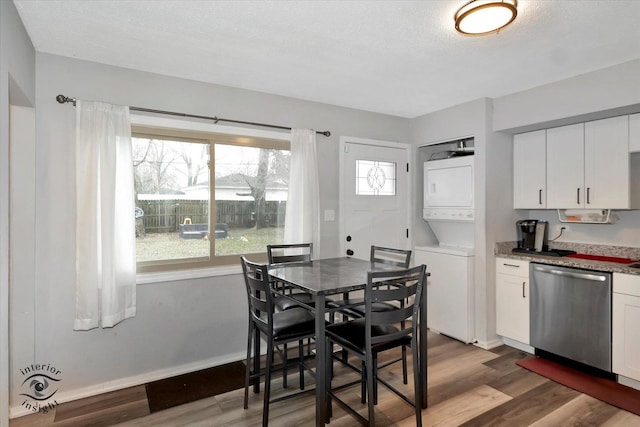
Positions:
(321, 363)
(423, 346)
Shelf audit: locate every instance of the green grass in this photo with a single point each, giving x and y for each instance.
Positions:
(158, 246)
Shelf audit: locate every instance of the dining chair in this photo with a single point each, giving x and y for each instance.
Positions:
(278, 328)
(355, 308)
(287, 254)
(380, 331)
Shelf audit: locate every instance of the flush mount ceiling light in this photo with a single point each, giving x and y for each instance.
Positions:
(480, 17)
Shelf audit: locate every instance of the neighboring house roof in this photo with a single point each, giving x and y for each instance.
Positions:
(229, 187)
(240, 180)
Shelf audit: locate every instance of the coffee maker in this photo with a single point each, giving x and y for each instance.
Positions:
(533, 235)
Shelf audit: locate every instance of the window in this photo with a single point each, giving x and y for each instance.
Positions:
(204, 199)
(374, 178)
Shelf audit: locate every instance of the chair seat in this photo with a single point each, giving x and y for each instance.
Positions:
(352, 334)
(283, 303)
(358, 308)
(295, 322)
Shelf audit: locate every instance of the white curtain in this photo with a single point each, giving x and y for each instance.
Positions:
(302, 218)
(105, 224)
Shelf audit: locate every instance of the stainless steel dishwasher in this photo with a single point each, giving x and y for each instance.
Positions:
(571, 314)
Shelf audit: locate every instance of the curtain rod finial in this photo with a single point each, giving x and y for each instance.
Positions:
(63, 99)
(325, 133)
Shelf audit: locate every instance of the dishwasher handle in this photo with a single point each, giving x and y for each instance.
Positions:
(575, 275)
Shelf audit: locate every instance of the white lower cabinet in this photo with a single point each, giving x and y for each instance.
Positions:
(512, 299)
(625, 332)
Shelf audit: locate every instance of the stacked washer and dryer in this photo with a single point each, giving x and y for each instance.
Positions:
(449, 210)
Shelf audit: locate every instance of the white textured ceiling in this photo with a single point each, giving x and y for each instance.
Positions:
(395, 57)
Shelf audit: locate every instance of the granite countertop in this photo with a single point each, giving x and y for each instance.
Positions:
(503, 249)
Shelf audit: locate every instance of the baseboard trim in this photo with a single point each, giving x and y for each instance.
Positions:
(520, 346)
(629, 382)
(488, 345)
(17, 411)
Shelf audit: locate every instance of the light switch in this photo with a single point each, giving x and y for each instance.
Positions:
(329, 215)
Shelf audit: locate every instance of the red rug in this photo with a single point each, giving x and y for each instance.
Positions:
(602, 389)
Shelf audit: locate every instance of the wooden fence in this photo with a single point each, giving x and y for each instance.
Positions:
(164, 216)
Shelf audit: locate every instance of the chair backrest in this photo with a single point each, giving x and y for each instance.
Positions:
(282, 254)
(410, 284)
(259, 295)
(397, 257)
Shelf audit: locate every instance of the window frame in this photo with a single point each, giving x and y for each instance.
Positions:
(211, 134)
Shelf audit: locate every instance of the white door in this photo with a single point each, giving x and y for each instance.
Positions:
(374, 196)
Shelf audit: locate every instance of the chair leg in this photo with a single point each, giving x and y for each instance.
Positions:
(404, 364)
(416, 385)
(284, 366)
(330, 379)
(256, 357)
(247, 374)
(301, 362)
(371, 390)
(374, 368)
(327, 380)
(404, 352)
(363, 383)
(267, 385)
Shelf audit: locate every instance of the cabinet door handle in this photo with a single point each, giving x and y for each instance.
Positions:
(588, 195)
(578, 195)
(540, 196)
(510, 265)
(523, 285)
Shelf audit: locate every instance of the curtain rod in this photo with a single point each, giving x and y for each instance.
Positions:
(64, 99)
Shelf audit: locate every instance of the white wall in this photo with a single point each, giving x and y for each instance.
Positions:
(22, 244)
(182, 325)
(499, 222)
(609, 92)
(17, 86)
(494, 213)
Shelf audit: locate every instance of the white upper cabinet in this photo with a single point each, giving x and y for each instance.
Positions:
(529, 170)
(565, 167)
(581, 166)
(606, 163)
(588, 165)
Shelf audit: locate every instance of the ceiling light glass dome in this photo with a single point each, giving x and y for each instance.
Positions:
(480, 17)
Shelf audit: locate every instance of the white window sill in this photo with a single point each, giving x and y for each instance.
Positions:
(194, 273)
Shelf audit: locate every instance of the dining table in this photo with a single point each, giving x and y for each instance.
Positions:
(339, 276)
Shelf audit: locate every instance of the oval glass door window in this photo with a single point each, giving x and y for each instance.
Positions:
(374, 178)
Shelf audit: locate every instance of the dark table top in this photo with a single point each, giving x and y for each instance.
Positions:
(328, 276)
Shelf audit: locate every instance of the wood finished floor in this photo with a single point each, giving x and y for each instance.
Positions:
(467, 386)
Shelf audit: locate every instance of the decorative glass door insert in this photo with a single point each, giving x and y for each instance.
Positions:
(375, 178)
